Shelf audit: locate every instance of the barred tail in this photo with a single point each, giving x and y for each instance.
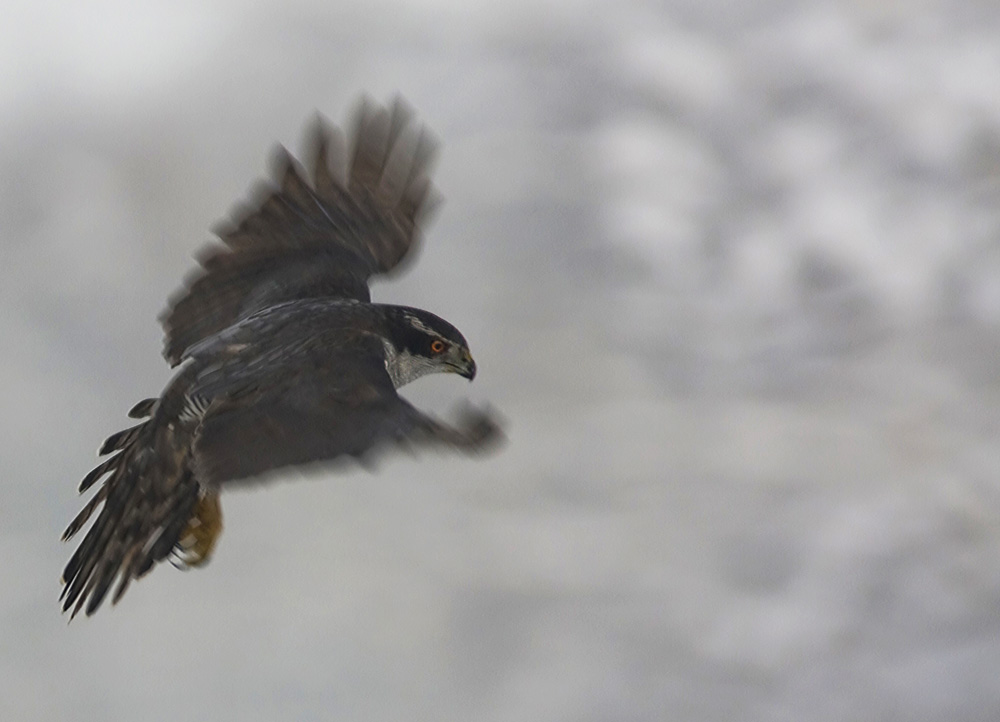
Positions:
(148, 496)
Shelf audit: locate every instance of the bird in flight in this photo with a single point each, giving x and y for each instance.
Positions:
(284, 359)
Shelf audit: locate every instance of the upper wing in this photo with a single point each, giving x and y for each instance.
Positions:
(325, 236)
(312, 404)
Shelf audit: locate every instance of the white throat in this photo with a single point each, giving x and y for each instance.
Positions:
(403, 367)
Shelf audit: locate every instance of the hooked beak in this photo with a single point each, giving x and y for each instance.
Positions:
(466, 367)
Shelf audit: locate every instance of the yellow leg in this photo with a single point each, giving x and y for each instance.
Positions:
(203, 530)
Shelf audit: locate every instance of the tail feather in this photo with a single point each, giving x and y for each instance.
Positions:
(143, 409)
(80, 519)
(141, 561)
(99, 471)
(117, 442)
(146, 501)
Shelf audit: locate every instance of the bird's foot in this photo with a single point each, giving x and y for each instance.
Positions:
(197, 541)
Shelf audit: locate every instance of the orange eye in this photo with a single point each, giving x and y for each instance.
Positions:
(437, 345)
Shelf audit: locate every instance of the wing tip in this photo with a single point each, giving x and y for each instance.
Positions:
(325, 148)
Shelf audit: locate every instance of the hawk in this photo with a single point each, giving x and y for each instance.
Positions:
(284, 359)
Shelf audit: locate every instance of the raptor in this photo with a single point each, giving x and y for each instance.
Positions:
(283, 358)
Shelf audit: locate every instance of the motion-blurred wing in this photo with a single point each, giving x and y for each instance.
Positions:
(311, 407)
(321, 237)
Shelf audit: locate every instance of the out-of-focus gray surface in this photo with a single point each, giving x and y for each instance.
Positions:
(730, 270)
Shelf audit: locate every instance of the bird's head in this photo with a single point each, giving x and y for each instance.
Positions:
(420, 343)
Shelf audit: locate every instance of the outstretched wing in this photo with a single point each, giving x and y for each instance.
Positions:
(311, 405)
(319, 237)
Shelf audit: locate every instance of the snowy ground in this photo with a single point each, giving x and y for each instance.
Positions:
(730, 270)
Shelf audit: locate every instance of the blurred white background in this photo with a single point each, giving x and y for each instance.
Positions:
(730, 270)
